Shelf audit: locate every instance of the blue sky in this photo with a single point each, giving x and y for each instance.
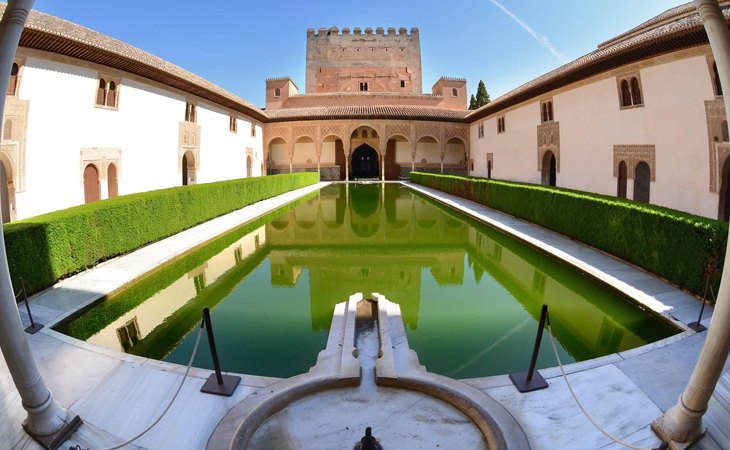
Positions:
(238, 44)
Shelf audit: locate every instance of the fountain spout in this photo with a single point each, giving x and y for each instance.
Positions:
(368, 442)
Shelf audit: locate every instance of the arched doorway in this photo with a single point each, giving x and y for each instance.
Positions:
(622, 177)
(188, 168)
(489, 169)
(4, 193)
(642, 177)
(111, 179)
(249, 166)
(92, 188)
(365, 162)
(723, 212)
(549, 169)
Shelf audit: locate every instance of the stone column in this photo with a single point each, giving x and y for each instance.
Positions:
(382, 166)
(682, 423)
(47, 421)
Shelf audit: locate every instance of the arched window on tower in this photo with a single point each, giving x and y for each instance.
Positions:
(13, 84)
(454, 92)
(625, 93)
(277, 93)
(635, 92)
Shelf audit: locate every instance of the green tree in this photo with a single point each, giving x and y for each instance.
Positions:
(482, 95)
(473, 102)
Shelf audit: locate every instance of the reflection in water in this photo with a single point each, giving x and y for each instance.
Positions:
(470, 297)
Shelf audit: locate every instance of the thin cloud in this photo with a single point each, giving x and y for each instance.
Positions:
(542, 40)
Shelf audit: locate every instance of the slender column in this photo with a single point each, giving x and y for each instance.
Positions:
(682, 423)
(382, 167)
(46, 418)
(347, 164)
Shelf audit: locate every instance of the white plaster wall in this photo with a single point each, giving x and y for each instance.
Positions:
(403, 152)
(279, 154)
(428, 150)
(304, 151)
(328, 153)
(515, 150)
(63, 119)
(455, 153)
(591, 123)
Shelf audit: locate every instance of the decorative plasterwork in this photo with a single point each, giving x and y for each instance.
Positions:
(633, 155)
(719, 151)
(100, 157)
(310, 131)
(13, 149)
(188, 140)
(548, 139)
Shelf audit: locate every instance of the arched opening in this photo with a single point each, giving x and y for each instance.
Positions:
(622, 178)
(111, 180)
(455, 156)
(188, 168)
(625, 93)
(716, 79)
(4, 194)
(642, 177)
(92, 187)
(723, 212)
(364, 209)
(13, 84)
(277, 157)
(365, 162)
(111, 95)
(249, 166)
(101, 92)
(635, 92)
(549, 169)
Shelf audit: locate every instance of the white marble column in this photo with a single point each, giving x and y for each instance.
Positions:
(682, 423)
(46, 418)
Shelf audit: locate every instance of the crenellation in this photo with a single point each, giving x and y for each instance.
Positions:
(391, 31)
(402, 31)
(368, 31)
(345, 31)
(357, 31)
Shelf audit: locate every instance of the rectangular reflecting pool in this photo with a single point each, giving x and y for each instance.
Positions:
(470, 295)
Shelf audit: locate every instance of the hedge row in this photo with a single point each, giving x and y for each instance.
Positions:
(49, 247)
(672, 244)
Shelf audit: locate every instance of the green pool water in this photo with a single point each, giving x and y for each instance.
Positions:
(470, 296)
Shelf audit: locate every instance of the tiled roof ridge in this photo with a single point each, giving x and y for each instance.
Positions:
(667, 15)
(687, 21)
(367, 94)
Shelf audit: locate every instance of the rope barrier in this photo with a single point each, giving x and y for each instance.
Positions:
(167, 408)
(585, 413)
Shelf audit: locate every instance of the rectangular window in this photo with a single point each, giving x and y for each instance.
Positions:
(546, 109)
(480, 130)
(363, 86)
(500, 125)
(253, 130)
(232, 124)
(402, 83)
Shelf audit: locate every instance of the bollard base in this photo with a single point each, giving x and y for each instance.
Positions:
(53, 441)
(33, 329)
(230, 383)
(697, 327)
(519, 379)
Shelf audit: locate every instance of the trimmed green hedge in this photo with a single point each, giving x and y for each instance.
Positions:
(49, 247)
(672, 244)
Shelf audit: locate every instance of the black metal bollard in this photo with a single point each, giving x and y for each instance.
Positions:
(532, 380)
(217, 383)
(33, 328)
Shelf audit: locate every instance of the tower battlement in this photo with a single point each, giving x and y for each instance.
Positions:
(366, 60)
